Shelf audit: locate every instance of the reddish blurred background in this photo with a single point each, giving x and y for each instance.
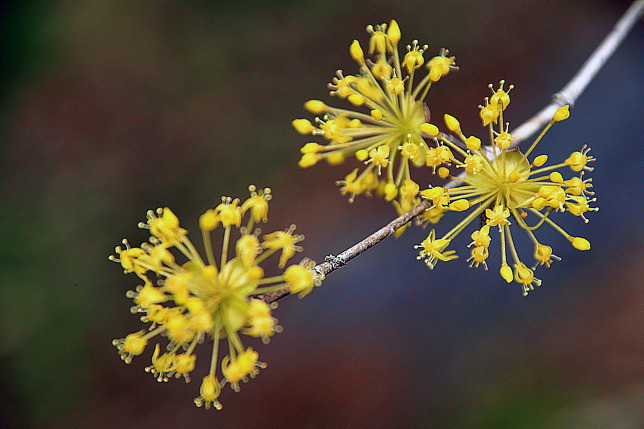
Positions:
(110, 108)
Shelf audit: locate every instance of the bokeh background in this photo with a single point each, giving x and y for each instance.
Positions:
(109, 108)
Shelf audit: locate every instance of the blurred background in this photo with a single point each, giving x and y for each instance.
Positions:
(109, 108)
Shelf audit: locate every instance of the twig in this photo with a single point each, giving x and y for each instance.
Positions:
(568, 95)
(332, 263)
(579, 82)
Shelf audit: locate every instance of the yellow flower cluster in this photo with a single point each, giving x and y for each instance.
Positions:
(189, 299)
(502, 186)
(388, 135)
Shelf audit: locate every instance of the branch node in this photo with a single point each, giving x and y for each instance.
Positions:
(562, 99)
(335, 261)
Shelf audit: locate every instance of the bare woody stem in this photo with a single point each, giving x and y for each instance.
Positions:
(568, 95)
(579, 82)
(332, 263)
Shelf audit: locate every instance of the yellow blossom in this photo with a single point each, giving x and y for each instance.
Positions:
(525, 276)
(473, 143)
(473, 163)
(300, 279)
(440, 65)
(128, 256)
(499, 216)
(190, 298)
(578, 186)
(577, 160)
(478, 256)
(502, 185)
(184, 364)
(414, 57)
(379, 156)
(165, 226)
(356, 52)
(257, 203)
(351, 185)
(229, 212)
(258, 308)
(155, 257)
(162, 364)
(389, 135)
(543, 255)
(409, 190)
(284, 240)
(238, 369)
(481, 237)
(247, 248)
(209, 392)
(503, 140)
(489, 114)
(148, 295)
(432, 250)
(132, 345)
(209, 220)
(260, 322)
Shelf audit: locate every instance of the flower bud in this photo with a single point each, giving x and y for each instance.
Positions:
(561, 113)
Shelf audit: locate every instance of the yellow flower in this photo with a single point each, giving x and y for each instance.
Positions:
(379, 156)
(184, 364)
(432, 250)
(236, 370)
(478, 256)
(524, 275)
(201, 299)
(389, 135)
(161, 364)
(209, 392)
(132, 345)
(543, 255)
(247, 249)
(499, 216)
(502, 187)
(300, 279)
(229, 212)
(258, 203)
(284, 240)
(260, 322)
(165, 226)
(481, 237)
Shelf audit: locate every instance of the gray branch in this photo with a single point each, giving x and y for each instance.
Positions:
(571, 92)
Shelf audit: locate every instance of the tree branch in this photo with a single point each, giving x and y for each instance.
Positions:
(568, 95)
(332, 263)
(579, 82)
